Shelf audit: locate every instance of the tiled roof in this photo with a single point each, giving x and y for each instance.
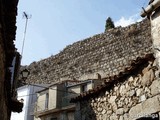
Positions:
(112, 80)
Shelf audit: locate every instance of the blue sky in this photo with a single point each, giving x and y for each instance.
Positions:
(57, 23)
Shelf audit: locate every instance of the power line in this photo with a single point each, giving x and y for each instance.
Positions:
(48, 88)
(54, 89)
(26, 95)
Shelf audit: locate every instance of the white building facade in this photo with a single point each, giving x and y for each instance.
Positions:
(27, 93)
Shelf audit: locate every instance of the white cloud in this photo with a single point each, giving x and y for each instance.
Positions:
(127, 21)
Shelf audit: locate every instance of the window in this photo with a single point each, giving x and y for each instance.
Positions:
(83, 88)
(46, 101)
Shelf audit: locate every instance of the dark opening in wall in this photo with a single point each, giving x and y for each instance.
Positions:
(83, 88)
(154, 116)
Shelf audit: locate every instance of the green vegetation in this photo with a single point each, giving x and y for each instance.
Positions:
(109, 24)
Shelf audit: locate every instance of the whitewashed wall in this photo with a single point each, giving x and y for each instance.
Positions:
(22, 94)
(28, 94)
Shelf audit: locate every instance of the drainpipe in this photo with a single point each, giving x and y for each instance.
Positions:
(153, 12)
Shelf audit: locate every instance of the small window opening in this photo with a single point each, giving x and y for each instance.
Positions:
(46, 101)
(83, 88)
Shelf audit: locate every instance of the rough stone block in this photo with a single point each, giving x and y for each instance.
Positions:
(147, 90)
(122, 90)
(151, 105)
(113, 117)
(112, 99)
(142, 98)
(155, 87)
(120, 111)
(148, 78)
(104, 111)
(104, 117)
(138, 92)
(126, 117)
(132, 93)
(130, 79)
(121, 118)
(109, 112)
(120, 103)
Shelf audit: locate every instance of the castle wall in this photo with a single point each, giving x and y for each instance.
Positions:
(107, 54)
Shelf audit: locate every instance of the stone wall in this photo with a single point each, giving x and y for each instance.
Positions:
(133, 98)
(155, 31)
(105, 53)
(3, 104)
(8, 12)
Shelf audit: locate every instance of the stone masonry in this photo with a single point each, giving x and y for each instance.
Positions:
(155, 31)
(105, 53)
(8, 12)
(3, 104)
(136, 97)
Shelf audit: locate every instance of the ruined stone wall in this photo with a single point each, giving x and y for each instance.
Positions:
(105, 53)
(137, 96)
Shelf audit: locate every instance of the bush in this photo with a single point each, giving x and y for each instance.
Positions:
(109, 24)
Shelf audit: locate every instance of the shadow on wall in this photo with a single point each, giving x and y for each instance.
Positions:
(88, 112)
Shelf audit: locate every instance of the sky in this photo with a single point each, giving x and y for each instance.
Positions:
(55, 24)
